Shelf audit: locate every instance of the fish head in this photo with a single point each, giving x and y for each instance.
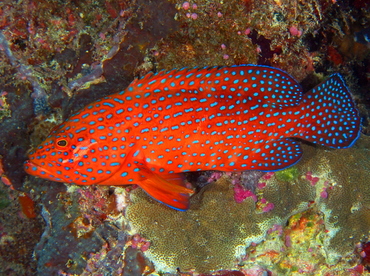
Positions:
(67, 155)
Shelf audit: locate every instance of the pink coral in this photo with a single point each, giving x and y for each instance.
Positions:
(186, 5)
(240, 194)
(268, 175)
(324, 194)
(261, 185)
(270, 206)
(312, 178)
(139, 242)
(215, 176)
(294, 31)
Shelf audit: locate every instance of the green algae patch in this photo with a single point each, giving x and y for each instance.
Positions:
(4, 200)
(287, 175)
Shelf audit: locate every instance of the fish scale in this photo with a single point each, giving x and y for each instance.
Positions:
(214, 118)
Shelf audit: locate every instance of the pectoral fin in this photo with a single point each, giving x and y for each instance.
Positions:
(168, 189)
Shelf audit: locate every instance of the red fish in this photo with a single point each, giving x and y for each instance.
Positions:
(215, 118)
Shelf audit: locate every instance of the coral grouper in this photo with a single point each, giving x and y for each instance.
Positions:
(214, 118)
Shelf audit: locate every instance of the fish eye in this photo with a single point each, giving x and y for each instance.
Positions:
(62, 142)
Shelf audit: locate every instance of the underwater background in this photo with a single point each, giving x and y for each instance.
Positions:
(57, 56)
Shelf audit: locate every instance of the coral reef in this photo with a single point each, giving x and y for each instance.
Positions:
(344, 178)
(57, 56)
(324, 197)
(206, 237)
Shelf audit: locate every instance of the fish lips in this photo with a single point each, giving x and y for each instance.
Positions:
(40, 171)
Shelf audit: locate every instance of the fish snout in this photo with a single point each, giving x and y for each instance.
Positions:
(39, 171)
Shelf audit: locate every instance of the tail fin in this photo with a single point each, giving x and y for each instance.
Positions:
(331, 118)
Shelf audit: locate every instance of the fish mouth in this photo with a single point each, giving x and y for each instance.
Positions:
(40, 171)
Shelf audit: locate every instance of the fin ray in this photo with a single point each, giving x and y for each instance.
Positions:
(168, 189)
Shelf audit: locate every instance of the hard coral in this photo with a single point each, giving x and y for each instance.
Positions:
(208, 237)
(336, 183)
(216, 231)
(348, 202)
(211, 33)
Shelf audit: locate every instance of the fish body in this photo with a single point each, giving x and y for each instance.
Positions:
(215, 118)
